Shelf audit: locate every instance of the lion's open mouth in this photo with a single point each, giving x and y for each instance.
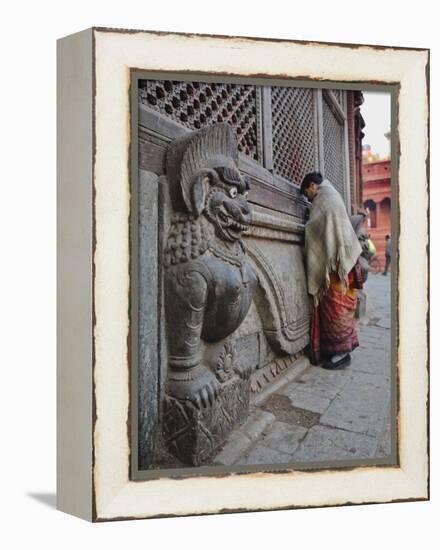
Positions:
(227, 222)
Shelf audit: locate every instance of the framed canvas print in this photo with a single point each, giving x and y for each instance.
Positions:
(243, 274)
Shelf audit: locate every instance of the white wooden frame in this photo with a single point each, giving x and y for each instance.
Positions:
(93, 368)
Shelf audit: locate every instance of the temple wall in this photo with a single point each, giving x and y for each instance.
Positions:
(280, 134)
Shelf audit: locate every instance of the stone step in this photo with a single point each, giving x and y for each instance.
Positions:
(283, 378)
(244, 437)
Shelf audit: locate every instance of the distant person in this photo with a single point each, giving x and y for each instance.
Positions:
(387, 254)
(332, 253)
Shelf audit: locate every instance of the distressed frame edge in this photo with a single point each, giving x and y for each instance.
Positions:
(256, 39)
(424, 491)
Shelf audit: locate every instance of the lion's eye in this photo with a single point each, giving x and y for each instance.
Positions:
(245, 194)
(233, 192)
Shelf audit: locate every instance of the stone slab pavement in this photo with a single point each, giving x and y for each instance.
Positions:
(327, 415)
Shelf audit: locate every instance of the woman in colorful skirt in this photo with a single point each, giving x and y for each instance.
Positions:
(333, 273)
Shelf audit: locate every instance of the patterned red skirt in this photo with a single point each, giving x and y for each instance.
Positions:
(333, 327)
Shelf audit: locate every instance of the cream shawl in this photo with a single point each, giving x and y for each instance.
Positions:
(331, 245)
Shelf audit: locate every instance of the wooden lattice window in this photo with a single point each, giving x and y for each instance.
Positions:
(197, 104)
(339, 95)
(293, 128)
(288, 131)
(334, 145)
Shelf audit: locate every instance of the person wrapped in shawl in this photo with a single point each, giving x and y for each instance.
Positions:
(332, 253)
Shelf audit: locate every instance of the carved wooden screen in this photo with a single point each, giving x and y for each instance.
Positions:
(196, 105)
(339, 94)
(284, 131)
(334, 146)
(293, 132)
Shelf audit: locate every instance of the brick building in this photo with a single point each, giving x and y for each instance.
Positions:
(377, 201)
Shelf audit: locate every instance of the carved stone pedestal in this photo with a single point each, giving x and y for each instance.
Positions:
(194, 434)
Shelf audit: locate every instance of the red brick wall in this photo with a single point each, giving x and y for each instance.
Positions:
(377, 188)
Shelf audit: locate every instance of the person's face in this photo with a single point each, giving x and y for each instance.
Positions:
(311, 191)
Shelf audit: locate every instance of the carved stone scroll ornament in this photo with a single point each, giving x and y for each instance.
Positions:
(209, 286)
(281, 296)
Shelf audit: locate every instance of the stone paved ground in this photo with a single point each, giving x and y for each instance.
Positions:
(327, 415)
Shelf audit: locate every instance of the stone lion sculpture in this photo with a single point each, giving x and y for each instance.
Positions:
(209, 286)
